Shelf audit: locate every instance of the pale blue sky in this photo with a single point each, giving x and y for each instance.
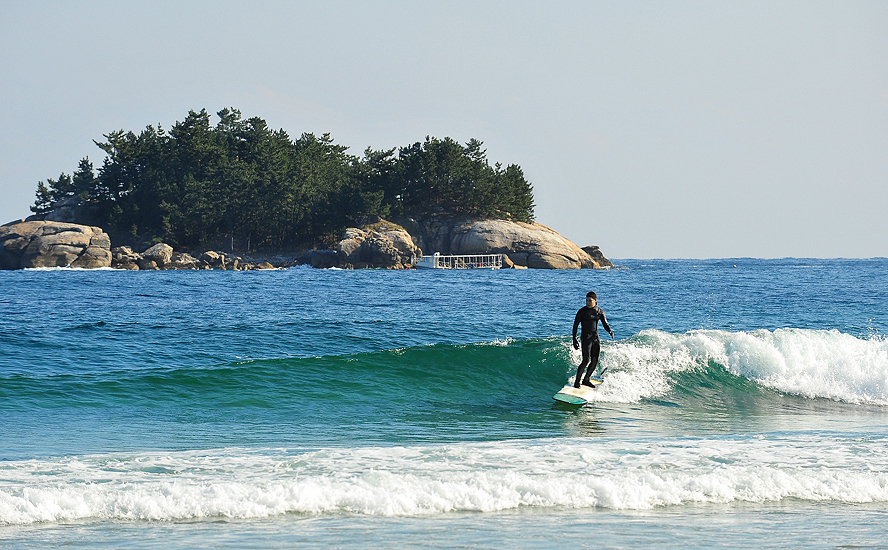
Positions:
(652, 129)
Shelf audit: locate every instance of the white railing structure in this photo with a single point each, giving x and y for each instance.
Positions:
(467, 261)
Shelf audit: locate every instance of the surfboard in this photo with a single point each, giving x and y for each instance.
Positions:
(578, 396)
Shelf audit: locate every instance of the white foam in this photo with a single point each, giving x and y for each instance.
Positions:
(431, 480)
(810, 363)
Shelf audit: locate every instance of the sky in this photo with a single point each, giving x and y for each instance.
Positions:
(652, 129)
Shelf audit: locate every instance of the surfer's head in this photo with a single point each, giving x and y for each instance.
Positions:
(591, 299)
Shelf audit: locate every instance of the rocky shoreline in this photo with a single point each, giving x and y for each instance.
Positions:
(378, 244)
(162, 256)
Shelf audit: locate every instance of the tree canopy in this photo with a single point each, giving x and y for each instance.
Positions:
(259, 188)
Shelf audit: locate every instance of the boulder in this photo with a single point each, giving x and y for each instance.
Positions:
(123, 257)
(382, 244)
(523, 244)
(350, 247)
(531, 245)
(595, 253)
(323, 259)
(379, 251)
(220, 260)
(146, 264)
(160, 254)
(121, 253)
(209, 257)
(182, 260)
(402, 242)
(28, 244)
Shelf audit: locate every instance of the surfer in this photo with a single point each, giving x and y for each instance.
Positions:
(588, 316)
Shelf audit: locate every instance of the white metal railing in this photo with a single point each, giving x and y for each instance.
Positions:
(464, 261)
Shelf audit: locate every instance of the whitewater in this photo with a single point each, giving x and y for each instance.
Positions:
(744, 405)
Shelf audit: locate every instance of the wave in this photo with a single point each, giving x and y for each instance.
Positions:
(511, 369)
(428, 480)
(652, 365)
(801, 362)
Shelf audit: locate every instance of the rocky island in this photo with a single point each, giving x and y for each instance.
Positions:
(239, 195)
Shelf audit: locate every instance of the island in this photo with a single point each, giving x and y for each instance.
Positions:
(238, 194)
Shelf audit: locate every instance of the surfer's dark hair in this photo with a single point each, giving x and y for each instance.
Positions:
(592, 295)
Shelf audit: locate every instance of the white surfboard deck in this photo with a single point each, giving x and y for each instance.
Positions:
(577, 396)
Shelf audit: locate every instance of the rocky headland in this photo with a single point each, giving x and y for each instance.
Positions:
(376, 244)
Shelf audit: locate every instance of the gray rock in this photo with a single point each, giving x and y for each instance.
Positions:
(93, 257)
(595, 253)
(220, 260)
(210, 257)
(182, 260)
(381, 252)
(146, 264)
(323, 259)
(160, 254)
(525, 244)
(532, 245)
(123, 257)
(350, 247)
(53, 244)
(385, 246)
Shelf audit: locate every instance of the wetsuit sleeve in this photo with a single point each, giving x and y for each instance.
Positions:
(604, 323)
(576, 323)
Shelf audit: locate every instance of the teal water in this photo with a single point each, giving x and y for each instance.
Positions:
(745, 404)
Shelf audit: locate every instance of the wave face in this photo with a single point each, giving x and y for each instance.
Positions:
(436, 372)
(653, 364)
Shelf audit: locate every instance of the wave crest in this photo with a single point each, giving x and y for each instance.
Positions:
(808, 363)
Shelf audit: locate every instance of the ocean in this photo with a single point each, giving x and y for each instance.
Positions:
(745, 405)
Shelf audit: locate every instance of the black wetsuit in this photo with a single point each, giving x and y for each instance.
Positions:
(588, 317)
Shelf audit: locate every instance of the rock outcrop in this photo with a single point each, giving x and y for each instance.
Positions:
(28, 244)
(123, 257)
(525, 244)
(380, 244)
(383, 244)
(162, 256)
(595, 253)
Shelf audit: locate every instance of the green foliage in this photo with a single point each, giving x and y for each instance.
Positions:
(52, 192)
(259, 189)
(44, 201)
